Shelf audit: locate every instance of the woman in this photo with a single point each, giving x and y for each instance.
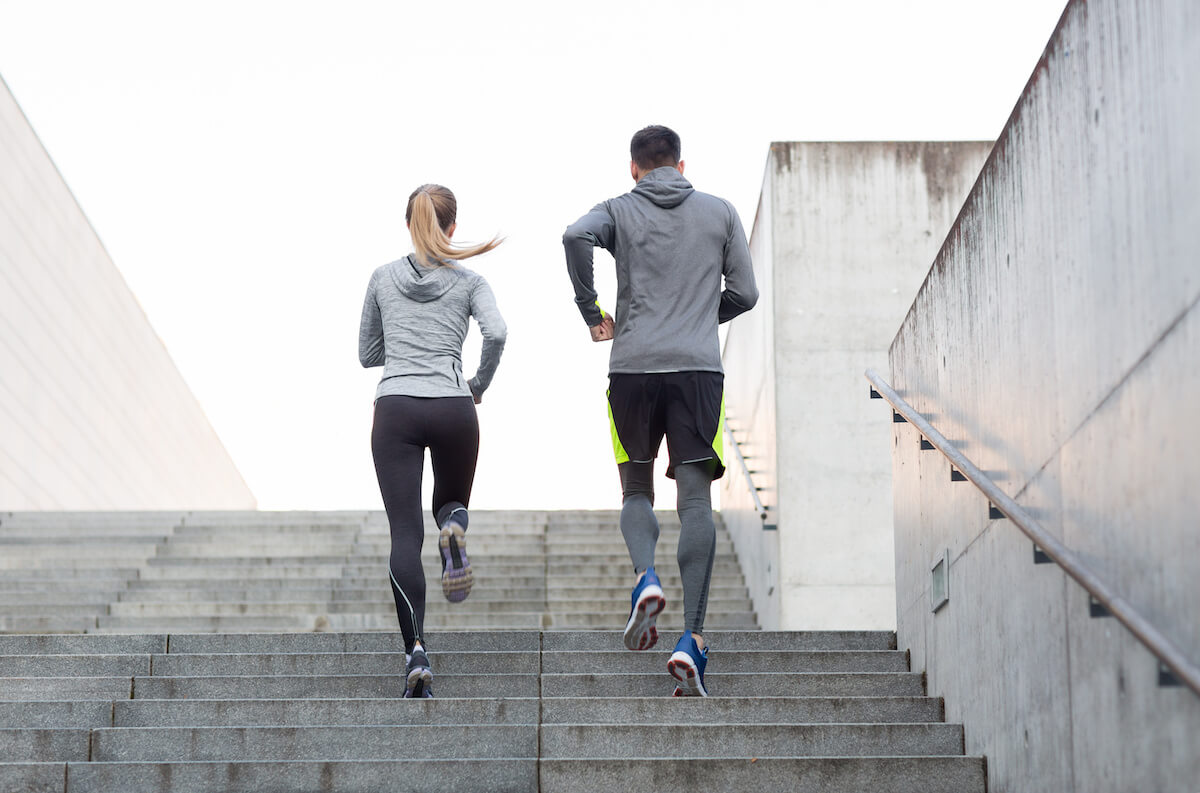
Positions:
(414, 320)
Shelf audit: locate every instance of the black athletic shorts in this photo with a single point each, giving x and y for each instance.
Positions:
(687, 407)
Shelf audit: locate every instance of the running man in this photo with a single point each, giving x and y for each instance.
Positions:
(672, 245)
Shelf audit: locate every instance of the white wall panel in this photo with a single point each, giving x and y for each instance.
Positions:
(93, 412)
(844, 234)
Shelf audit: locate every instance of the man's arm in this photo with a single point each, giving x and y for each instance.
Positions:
(370, 331)
(740, 293)
(593, 229)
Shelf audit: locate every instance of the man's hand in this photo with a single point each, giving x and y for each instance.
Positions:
(603, 331)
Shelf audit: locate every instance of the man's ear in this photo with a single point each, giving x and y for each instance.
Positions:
(634, 171)
(679, 167)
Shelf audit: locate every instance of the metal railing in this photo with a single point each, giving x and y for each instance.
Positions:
(737, 453)
(1168, 654)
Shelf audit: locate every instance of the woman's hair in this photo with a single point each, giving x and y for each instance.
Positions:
(431, 212)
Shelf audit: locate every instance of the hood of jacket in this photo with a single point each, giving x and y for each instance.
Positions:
(420, 282)
(665, 186)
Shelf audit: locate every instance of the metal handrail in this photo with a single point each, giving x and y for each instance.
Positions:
(737, 452)
(1170, 655)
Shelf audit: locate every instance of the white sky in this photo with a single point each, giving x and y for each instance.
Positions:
(247, 165)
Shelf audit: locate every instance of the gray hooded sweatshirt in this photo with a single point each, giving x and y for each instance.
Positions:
(414, 321)
(672, 245)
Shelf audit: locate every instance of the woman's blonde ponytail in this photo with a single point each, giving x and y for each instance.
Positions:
(432, 210)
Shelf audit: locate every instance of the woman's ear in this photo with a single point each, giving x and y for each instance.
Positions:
(450, 231)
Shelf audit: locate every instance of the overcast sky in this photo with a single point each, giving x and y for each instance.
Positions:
(247, 165)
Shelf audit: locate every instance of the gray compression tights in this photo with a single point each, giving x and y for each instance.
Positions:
(697, 538)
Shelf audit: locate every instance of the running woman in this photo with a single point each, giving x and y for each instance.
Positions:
(672, 245)
(414, 321)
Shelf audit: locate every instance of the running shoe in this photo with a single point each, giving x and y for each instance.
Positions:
(647, 602)
(456, 567)
(420, 677)
(687, 666)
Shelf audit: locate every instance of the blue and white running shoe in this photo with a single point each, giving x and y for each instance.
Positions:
(687, 666)
(648, 601)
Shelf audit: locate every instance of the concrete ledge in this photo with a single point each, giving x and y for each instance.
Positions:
(303, 712)
(390, 686)
(33, 777)
(35, 714)
(496, 775)
(43, 745)
(767, 684)
(741, 710)
(323, 743)
(824, 775)
(734, 641)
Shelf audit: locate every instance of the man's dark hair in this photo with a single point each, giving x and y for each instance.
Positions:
(655, 147)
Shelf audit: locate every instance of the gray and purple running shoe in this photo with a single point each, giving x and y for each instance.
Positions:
(419, 683)
(457, 577)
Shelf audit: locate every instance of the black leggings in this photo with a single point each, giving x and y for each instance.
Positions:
(404, 427)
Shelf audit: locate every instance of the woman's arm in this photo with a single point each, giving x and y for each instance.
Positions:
(370, 330)
(494, 331)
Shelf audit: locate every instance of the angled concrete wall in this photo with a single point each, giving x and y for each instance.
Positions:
(1056, 341)
(93, 412)
(844, 234)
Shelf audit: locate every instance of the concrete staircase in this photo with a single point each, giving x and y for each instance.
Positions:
(192, 700)
(303, 571)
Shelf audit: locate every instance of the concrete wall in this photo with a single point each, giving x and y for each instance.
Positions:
(1056, 341)
(749, 361)
(844, 234)
(93, 412)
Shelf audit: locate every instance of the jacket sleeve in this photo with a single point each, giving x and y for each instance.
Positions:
(740, 292)
(593, 229)
(493, 330)
(370, 330)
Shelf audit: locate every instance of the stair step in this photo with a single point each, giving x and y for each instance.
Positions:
(302, 712)
(375, 686)
(748, 740)
(322, 742)
(493, 775)
(757, 684)
(260, 651)
(767, 775)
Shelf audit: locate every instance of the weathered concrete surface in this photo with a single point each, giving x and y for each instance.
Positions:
(844, 234)
(93, 412)
(1055, 341)
(773, 720)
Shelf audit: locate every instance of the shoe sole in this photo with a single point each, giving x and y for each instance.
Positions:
(419, 684)
(457, 577)
(683, 668)
(640, 631)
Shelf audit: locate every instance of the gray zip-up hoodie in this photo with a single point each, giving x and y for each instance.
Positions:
(672, 245)
(414, 321)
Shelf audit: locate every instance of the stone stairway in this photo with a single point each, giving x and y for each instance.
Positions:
(515, 711)
(298, 571)
(201, 693)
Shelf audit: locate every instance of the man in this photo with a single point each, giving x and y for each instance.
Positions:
(672, 245)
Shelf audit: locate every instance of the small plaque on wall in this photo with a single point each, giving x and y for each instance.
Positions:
(939, 583)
